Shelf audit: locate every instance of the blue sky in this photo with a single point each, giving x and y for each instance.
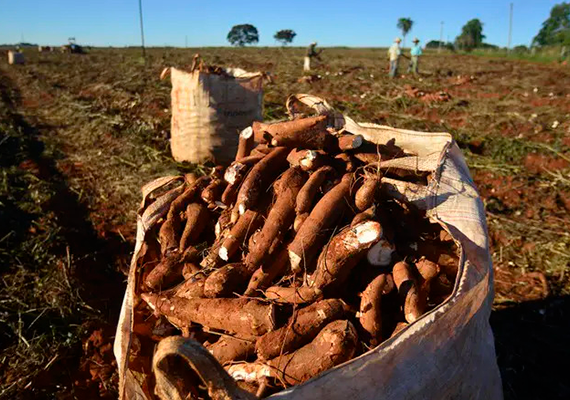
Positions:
(207, 22)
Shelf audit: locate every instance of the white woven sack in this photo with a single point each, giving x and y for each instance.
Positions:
(448, 353)
(209, 110)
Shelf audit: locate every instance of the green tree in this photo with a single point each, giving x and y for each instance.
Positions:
(405, 25)
(471, 35)
(285, 36)
(556, 29)
(240, 35)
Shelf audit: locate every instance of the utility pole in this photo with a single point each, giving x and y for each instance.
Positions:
(440, 38)
(142, 30)
(510, 29)
(186, 41)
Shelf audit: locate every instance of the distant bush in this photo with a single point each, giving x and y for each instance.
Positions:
(520, 49)
(434, 44)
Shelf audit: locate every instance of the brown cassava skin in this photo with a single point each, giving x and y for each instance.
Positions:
(245, 226)
(408, 290)
(227, 280)
(349, 142)
(344, 163)
(169, 233)
(260, 177)
(292, 295)
(440, 288)
(191, 288)
(261, 149)
(367, 158)
(301, 329)
(190, 255)
(342, 253)
(306, 196)
(235, 175)
(190, 178)
(265, 274)
(366, 215)
(213, 192)
(314, 230)
(229, 348)
(230, 194)
(259, 133)
(308, 160)
(389, 286)
(306, 133)
(241, 316)
(299, 221)
(197, 216)
(250, 160)
(245, 144)
(427, 269)
(335, 344)
(365, 195)
(165, 274)
(444, 236)
(370, 309)
(280, 216)
(399, 327)
(189, 269)
(253, 239)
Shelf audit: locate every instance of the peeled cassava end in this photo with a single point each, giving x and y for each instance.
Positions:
(381, 253)
(245, 143)
(342, 253)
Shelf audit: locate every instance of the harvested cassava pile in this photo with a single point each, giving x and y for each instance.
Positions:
(292, 260)
(428, 97)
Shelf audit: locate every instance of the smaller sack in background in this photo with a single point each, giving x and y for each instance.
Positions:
(15, 57)
(209, 110)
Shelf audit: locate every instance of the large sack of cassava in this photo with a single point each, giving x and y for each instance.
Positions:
(210, 106)
(331, 260)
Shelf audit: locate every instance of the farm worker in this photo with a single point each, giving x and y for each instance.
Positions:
(564, 53)
(394, 53)
(311, 53)
(415, 53)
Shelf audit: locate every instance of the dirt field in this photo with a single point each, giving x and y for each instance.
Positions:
(79, 135)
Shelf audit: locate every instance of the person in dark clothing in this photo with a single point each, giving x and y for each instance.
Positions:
(310, 54)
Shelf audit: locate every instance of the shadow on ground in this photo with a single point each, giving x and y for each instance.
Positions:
(70, 255)
(532, 343)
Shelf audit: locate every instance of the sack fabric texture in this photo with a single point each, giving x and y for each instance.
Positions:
(449, 352)
(209, 110)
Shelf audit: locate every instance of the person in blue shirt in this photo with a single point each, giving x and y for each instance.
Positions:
(415, 53)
